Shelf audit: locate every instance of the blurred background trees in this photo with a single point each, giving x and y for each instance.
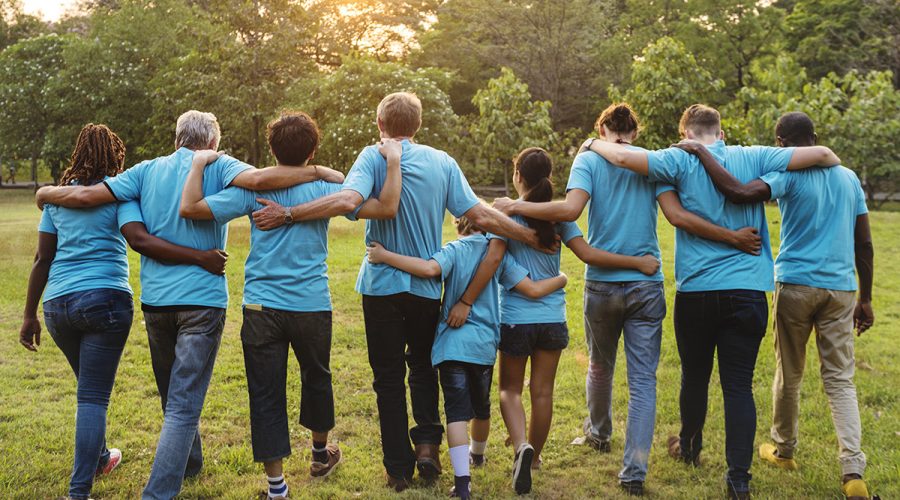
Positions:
(494, 76)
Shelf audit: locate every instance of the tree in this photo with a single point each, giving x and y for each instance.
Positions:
(666, 79)
(344, 103)
(507, 122)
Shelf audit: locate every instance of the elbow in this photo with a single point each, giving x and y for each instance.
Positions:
(82, 199)
(254, 182)
(570, 215)
(529, 292)
(675, 218)
(391, 211)
(478, 216)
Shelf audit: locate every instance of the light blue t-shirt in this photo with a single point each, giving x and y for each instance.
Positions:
(286, 266)
(819, 207)
(621, 216)
(475, 341)
(517, 309)
(432, 185)
(90, 250)
(157, 184)
(704, 265)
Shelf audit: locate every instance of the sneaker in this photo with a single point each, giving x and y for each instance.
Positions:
(738, 495)
(115, 458)
(397, 484)
(462, 493)
(319, 469)
(769, 453)
(428, 461)
(477, 460)
(674, 443)
(593, 441)
(522, 469)
(633, 488)
(854, 488)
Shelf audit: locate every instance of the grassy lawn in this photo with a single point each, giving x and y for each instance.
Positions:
(37, 398)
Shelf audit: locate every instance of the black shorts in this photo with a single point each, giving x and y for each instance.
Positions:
(467, 390)
(523, 340)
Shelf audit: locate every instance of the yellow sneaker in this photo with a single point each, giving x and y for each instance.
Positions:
(855, 488)
(769, 453)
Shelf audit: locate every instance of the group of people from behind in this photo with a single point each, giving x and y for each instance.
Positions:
(502, 290)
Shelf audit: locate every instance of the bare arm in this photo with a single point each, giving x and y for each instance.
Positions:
(30, 333)
(340, 203)
(135, 233)
(746, 239)
(387, 203)
(193, 206)
(541, 288)
(733, 189)
(618, 155)
(280, 177)
(863, 315)
(74, 196)
(412, 265)
(647, 264)
(553, 211)
(489, 220)
(812, 156)
(459, 313)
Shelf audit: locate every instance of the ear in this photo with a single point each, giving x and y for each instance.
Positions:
(603, 131)
(721, 135)
(687, 134)
(213, 145)
(815, 138)
(380, 125)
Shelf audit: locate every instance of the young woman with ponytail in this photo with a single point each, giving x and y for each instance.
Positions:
(536, 328)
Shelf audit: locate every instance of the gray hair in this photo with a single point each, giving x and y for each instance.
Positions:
(196, 130)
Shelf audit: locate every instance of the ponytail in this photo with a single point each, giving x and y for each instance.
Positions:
(534, 166)
(618, 118)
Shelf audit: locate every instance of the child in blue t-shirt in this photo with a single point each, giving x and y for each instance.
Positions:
(465, 356)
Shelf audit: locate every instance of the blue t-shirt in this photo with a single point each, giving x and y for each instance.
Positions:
(475, 341)
(157, 184)
(819, 207)
(286, 267)
(517, 309)
(621, 216)
(703, 265)
(432, 184)
(90, 250)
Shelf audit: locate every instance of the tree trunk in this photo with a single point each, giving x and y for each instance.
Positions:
(505, 178)
(34, 171)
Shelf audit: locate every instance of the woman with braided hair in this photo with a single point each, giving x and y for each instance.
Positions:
(81, 268)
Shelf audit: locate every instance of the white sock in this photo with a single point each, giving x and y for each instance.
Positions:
(459, 457)
(277, 487)
(477, 447)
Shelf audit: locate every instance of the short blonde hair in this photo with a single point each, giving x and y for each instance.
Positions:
(197, 130)
(701, 120)
(400, 114)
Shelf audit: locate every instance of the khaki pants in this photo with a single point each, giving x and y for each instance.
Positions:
(797, 310)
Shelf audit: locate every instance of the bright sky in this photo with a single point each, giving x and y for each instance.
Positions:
(50, 10)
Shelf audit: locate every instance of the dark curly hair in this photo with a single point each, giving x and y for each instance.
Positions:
(98, 153)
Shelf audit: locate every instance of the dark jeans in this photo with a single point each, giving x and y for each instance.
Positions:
(467, 390)
(266, 336)
(399, 333)
(522, 340)
(731, 325)
(90, 328)
(183, 347)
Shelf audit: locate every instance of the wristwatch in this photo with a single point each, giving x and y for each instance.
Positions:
(288, 218)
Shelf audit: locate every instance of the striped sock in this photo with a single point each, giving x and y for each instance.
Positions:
(277, 487)
(320, 452)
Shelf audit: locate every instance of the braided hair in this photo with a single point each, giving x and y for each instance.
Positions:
(534, 166)
(98, 153)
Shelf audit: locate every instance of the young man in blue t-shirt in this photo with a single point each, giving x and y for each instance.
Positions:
(464, 356)
(720, 304)
(824, 229)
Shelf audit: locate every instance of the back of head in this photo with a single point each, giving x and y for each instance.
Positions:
(197, 130)
(618, 118)
(465, 226)
(700, 120)
(293, 138)
(795, 129)
(400, 114)
(534, 166)
(98, 153)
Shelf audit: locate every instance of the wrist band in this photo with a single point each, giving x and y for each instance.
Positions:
(464, 302)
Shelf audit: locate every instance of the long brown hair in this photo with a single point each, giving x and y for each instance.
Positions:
(98, 153)
(535, 166)
(619, 118)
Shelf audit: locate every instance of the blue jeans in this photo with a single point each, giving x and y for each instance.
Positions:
(183, 347)
(634, 309)
(729, 324)
(90, 328)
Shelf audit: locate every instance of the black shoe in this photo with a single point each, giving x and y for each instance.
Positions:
(633, 488)
(477, 460)
(397, 484)
(462, 487)
(593, 441)
(737, 495)
(522, 469)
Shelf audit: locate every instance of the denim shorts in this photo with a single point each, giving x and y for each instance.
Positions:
(467, 390)
(523, 340)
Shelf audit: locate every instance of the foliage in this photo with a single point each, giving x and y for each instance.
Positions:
(344, 103)
(508, 121)
(665, 80)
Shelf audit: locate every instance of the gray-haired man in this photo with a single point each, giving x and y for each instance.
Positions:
(184, 306)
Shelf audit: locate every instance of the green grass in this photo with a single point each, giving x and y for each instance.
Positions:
(37, 399)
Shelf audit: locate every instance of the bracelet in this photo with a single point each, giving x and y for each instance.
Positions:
(464, 302)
